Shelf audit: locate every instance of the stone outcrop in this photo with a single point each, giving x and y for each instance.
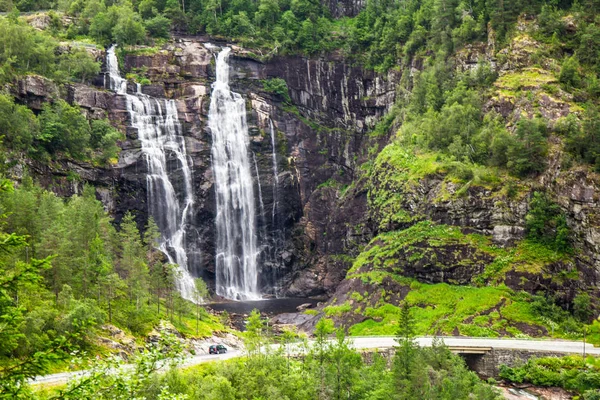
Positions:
(35, 90)
(334, 105)
(345, 8)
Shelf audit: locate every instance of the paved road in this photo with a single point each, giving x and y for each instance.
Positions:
(377, 342)
(561, 346)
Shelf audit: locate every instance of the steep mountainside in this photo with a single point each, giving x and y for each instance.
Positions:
(457, 161)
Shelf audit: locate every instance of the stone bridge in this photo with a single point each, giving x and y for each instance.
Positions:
(485, 356)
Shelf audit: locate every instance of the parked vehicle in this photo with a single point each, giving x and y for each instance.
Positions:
(217, 349)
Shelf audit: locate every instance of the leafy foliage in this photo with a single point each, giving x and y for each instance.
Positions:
(279, 87)
(111, 379)
(27, 50)
(331, 369)
(571, 372)
(527, 153)
(90, 274)
(547, 224)
(583, 139)
(61, 130)
(17, 278)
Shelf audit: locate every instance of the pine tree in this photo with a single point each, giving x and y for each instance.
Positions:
(15, 372)
(321, 350)
(254, 336)
(132, 262)
(406, 349)
(200, 295)
(345, 364)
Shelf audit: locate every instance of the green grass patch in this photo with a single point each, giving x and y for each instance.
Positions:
(525, 79)
(336, 311)
(447, 309)
(384, 251)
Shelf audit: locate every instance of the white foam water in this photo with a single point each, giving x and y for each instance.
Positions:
(160, 134)
(237, 252)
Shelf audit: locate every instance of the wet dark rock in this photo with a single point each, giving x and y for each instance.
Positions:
(304, 306)
(345, 8)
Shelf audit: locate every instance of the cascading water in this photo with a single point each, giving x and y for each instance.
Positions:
(236, 259)
(260, 198)
(277, 235)
(159, 132)
(276, 177)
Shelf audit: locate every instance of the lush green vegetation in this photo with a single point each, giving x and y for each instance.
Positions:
(443, 309)
(383, 35)
(414, 242)
(330, 370)
(278, 87)
(573, 373)
(445, 114)
(66, 271)
(449, 132)
(60, 130)
(546, 223)
(26, 50)
(111, 378)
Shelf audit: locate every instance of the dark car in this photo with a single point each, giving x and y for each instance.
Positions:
(217, 349)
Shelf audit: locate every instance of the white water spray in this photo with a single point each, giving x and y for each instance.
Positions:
(236, 259)
(275, 175)
(159, 132)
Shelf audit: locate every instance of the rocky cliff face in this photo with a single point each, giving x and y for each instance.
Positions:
(316, 216)
(484, 224)
(318, 139)
(345, 8)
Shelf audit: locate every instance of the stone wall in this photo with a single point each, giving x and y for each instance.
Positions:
(488, 365)
(485, 365)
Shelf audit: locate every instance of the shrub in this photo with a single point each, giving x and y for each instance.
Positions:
(17, 123)
(582, 307)
(570, 372)
(64, 129)
(527, 152)
(278, 87)
(569, 74)
(546, 223)
(158, 26)
(584, 142)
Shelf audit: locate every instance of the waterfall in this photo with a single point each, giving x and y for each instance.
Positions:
(275, 175)
(236, 258)
(278, 237)
(159, 132)
(260, 196)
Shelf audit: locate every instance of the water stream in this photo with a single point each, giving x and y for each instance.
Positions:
(261, 203)
(237, 250)
(160, 134)
(275, 175)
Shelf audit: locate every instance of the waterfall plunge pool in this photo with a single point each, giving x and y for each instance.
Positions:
(266, 306)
